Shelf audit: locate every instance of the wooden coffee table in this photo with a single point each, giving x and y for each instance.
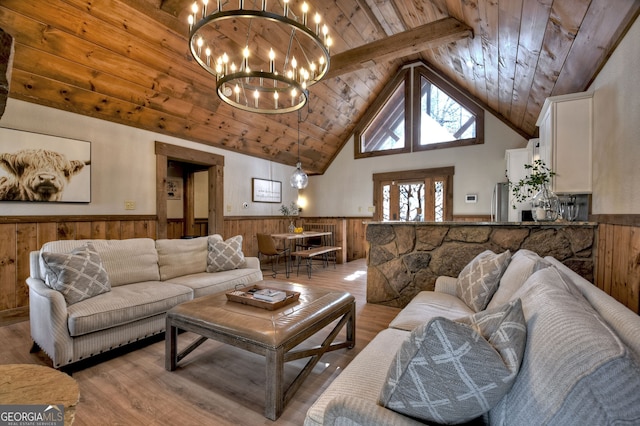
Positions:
(272, 334)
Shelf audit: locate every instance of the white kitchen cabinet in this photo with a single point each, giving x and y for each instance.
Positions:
(566, 136)
(515, 160)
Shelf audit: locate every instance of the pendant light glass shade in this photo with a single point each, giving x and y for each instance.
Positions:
(299, 179)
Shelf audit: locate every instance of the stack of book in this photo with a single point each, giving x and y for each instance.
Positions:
(270, 295)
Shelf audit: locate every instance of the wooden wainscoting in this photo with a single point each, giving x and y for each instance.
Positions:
(175, 228)
(618, 261)
(349, 232)
(21, 235)
(617, 269)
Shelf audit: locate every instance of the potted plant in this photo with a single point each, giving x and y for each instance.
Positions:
(535, 188)
(289, 212)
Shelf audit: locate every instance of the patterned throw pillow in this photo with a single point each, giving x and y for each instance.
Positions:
(480, 278)
(454, 371)
(225, 255)
(78, 275)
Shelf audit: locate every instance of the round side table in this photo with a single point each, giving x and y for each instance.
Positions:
(32, 384)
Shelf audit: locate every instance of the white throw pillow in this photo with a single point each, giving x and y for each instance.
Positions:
(78, 275)
(225, 255)
(480, 278)
(454, 371)
(522, 265)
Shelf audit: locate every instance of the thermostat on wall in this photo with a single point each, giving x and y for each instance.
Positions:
(471, 198)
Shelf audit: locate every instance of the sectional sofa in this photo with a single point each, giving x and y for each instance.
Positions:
(532, 344)
(87, 297)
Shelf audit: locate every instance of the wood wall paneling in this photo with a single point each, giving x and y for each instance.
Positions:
(8, 261)
(618, 263)
(617, 259)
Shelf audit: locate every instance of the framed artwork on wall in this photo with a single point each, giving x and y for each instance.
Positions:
(43, 168)
(174, 189)
(266, 191)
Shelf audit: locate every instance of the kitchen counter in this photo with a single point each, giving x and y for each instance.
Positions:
(453, 223)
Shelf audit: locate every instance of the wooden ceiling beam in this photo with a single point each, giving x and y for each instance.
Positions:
(404, 44)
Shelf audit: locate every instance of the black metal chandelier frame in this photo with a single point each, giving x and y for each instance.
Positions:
(244, 88)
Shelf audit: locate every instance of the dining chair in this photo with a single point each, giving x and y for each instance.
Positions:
(267, 248)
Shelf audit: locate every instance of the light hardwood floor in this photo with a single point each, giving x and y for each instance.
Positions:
(216, 384)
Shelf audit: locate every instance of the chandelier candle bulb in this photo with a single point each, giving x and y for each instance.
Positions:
(294, 66)
(272, 57)
(194, 9)
(204, 8)
(305, 9)
(200, 43)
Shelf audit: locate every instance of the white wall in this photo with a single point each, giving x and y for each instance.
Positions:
(123, 166)
(616, 126)
(346, 189)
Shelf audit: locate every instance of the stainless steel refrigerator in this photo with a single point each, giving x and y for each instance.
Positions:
(500, 202)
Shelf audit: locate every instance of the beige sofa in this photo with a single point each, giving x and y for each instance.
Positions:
(579, 366)
(146, 279)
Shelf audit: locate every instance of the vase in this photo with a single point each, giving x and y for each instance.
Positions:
(545, 205)
(292, 227)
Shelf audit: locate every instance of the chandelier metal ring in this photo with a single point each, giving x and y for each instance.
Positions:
(228, 94)
(271, 91)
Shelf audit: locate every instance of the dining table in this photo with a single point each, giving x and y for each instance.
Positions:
(293, 236)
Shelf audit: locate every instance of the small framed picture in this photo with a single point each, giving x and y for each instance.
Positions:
(174, 189)
(266, 191)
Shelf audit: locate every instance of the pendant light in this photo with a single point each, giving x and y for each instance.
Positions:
(299, 179)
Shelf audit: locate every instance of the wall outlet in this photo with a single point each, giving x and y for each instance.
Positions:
(372, 209)
(229, 208)
(129, 205)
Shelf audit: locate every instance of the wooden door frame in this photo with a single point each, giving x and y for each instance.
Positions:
(215, 167)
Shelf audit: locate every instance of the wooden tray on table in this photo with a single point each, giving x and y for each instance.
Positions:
(245, 296)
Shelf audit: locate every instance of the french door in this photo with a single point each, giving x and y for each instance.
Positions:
(419, 195)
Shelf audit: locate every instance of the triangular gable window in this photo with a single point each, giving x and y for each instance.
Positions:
(386, 130)
(442, 117)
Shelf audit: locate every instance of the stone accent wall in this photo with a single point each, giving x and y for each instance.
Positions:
(406, 258)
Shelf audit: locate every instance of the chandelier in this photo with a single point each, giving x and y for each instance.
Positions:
(263, 59)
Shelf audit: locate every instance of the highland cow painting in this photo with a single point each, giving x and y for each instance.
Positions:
(43, 168)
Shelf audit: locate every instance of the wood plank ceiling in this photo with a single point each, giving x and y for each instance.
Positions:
(127, 61)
